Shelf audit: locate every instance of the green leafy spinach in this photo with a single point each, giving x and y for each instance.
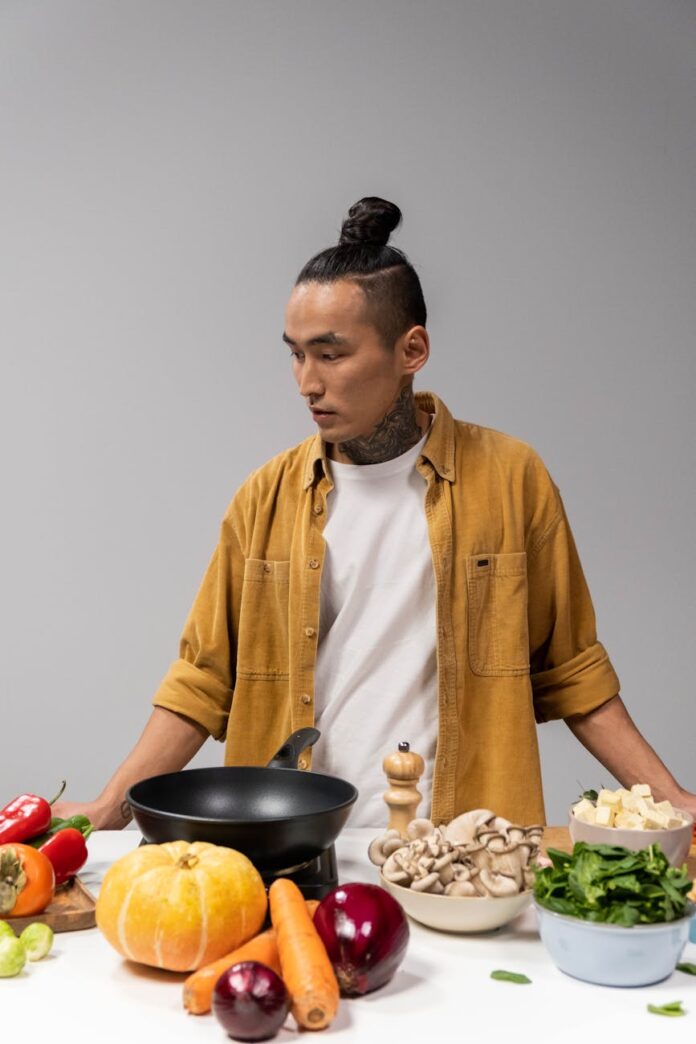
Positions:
(507, 976)
(613, 884)
(672, 1009)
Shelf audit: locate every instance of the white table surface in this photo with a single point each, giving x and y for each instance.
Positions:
(84, 991)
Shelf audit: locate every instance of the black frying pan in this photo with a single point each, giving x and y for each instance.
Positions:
(278, 816)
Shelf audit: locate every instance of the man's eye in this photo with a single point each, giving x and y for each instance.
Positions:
(330, 358)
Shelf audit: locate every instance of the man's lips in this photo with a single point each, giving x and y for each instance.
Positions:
(316, 412)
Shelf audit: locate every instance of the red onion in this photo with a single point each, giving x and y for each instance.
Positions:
(365, 932)
(250, 1001)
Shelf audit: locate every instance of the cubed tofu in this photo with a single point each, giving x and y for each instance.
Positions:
(641, 790)
(628, 821)
(584, 810)
(642, 807)
(629, 802)
(610, 798)
(675, 821)
(604, 816)
(656, 821)
(665, 807)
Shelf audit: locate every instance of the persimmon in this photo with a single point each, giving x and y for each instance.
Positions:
(27, 881)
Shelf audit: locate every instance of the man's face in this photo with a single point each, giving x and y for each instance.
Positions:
(348, 378)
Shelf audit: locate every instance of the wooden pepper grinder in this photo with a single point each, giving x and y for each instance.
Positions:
(403, 770)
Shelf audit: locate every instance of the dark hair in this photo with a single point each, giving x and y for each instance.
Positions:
(385, 275)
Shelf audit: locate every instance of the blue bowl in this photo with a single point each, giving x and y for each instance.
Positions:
(610, 954)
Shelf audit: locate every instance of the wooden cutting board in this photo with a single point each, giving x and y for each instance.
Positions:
(71, 909)
(558, 837)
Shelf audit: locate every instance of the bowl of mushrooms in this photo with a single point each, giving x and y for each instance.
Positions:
(473, 874)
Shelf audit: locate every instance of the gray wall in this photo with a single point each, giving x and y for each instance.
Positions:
(168, 165)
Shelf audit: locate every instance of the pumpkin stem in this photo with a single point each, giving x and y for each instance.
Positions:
(187, 861)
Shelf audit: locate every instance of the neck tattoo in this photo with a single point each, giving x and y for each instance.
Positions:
(396, 433)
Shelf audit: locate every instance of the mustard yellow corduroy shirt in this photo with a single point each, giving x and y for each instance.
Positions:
(516, 639)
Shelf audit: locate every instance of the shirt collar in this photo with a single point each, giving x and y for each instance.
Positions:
(438, 449)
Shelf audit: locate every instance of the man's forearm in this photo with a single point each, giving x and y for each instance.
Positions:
(166, 744)
(610, 734)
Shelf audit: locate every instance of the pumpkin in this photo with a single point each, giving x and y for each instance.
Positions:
(180, 905)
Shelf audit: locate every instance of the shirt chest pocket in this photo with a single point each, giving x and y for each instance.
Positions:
(262, 641)
(498, 629)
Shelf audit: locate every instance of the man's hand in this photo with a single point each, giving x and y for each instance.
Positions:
(101, 817)
(610, 734)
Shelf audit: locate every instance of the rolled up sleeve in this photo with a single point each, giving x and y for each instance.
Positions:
(570, 670)
(200, 683)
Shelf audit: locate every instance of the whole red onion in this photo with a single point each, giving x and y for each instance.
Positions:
(250, 1001)
(365, 932)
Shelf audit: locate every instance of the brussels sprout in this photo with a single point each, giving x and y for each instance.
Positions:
(37, 940)
(12, 956)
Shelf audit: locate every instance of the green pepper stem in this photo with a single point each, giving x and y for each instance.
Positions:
(62, 788)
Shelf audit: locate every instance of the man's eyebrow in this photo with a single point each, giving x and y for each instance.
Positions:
(325, 338)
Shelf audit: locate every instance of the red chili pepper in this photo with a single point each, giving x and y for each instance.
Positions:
(25, 817)
(68, 853)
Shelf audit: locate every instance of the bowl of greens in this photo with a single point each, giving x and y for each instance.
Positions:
(612, 916)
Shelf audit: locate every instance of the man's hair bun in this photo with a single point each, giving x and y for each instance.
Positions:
(391, 286)
(370, 222)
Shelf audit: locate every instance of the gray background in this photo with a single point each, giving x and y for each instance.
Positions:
(167, 167)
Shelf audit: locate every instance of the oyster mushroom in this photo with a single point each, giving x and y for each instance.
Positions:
(462, 829)
(462, 880)
(382, 847)
(486, 835)
(478, 853)
(418, 828)
(497, 885)
(394, 870)
(499, 843)
(444, 868)
(461, 888)
(430, 883)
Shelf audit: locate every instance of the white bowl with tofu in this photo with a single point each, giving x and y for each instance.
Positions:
(632, 819)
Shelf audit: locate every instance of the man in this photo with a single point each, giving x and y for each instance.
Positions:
(399, 575)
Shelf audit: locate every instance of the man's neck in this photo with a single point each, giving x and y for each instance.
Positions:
(400, 429)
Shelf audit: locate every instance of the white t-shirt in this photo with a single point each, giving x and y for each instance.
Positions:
(376, 672)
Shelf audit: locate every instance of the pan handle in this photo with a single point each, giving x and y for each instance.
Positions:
(288, 754)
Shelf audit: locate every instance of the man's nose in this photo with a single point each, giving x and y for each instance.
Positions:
(309, 381)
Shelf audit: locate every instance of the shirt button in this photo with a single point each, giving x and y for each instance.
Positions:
(267, 567)
(306, 698)
(313, 563)
(309, 631)
(303, 763)
(317, 509)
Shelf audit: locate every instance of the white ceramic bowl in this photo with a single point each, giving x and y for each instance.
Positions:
(675, 843)
(611, 954)
(458, 913)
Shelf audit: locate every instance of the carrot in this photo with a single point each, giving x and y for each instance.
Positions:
(306, 969)
(199, 986)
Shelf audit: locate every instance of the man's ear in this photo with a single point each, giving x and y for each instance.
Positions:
(414, 349)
